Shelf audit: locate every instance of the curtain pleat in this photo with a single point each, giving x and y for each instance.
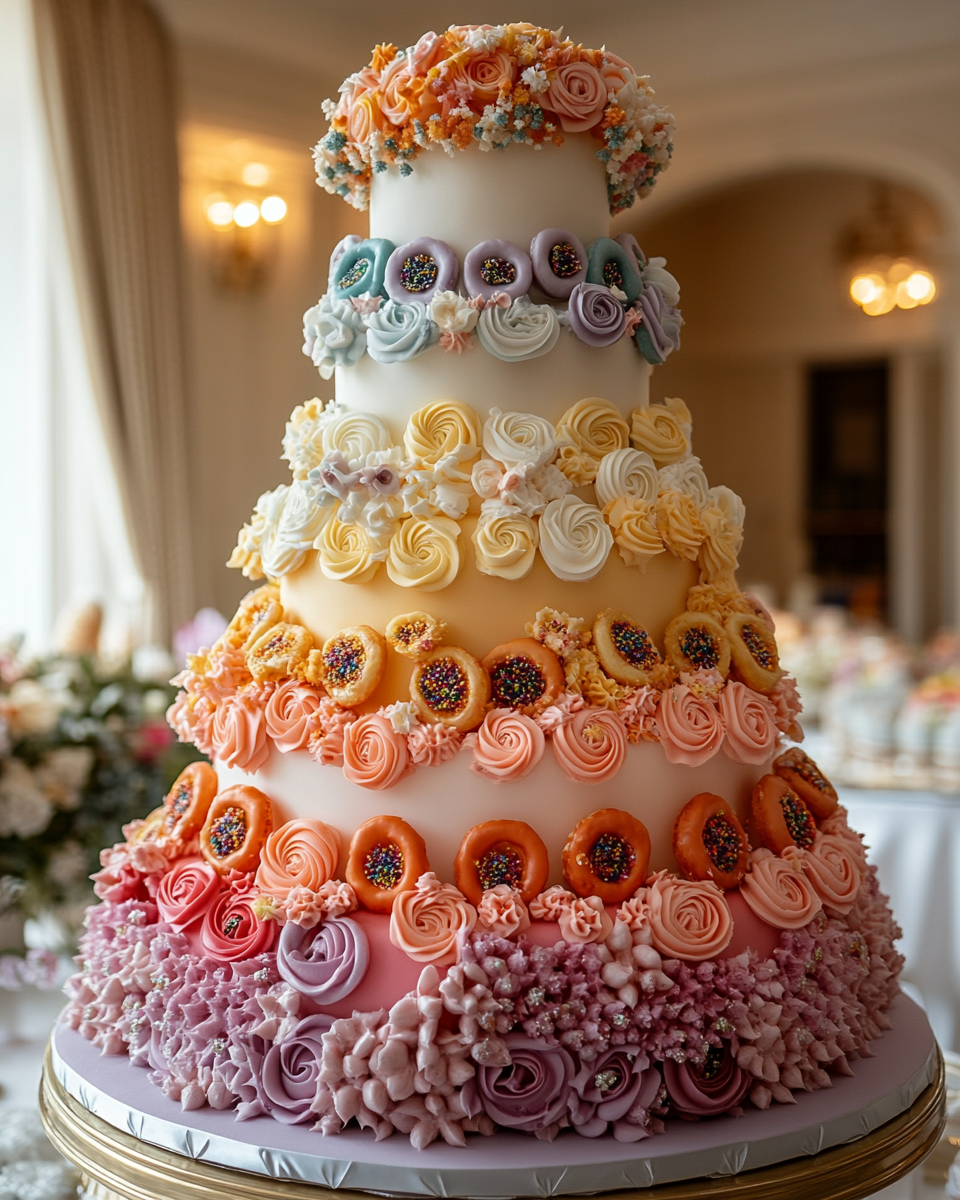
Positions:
(107, 73)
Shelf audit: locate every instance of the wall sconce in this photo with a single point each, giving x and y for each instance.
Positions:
(242, 224)
(882, 264)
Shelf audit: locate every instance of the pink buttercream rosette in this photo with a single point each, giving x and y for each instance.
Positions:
(507, 746)
(591, 746)
(691, 730)
(778, 891)
(832, 868)
(299, 854)
(231, 930)
(374, 756)
(686, 919)
(239, 732)
(427, 922)
(186, 892)
(292, 715)
(749, 724)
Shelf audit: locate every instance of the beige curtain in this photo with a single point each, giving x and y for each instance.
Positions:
(107, 75)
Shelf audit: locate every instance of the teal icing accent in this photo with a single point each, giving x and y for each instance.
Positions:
(605, 255)
(350, 278)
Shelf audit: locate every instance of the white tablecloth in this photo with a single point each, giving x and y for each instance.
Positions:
(914, 838)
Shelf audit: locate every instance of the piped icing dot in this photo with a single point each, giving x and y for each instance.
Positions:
(564, 261)
(500, 864)
(497, 271)
(383, 865)
(517, 682)
(612, 858)
(800, 823)
(633, 644)
(355, 273)
(419, 273)
(722, 842)
(612, 275)
(343, 660)
(228, 832)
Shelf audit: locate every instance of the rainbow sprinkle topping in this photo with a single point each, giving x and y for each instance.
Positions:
(517, 682)
(444, 686)
(355, 274)
(344, 660)
(564, 261)
(500, 864)
(633, 644)
(759, 644)
(228, 832)
(495, 271)
(383, 866)
(419, 273)
(612, 858)
(800, 823)
(700, 647)
(721, 842)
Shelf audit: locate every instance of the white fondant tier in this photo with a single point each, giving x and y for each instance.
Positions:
(443, 802)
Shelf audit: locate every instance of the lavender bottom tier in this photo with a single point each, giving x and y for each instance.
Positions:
(510, 1164)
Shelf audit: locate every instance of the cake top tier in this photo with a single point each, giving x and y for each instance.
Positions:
(492, 87)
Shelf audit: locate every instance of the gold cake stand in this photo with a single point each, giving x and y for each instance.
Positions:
(117, 1166)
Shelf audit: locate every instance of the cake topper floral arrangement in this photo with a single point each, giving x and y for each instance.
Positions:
(493, 85)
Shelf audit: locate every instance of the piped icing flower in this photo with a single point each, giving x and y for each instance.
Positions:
(584, 920)
(658, 332)
(333, 335)
(617, 1084)
(787, 706)
(347, 553)
(505, 541)
(678, 521)
(427, 921)
(288, 1076)
(687, 919)
(307, 908)
(507, 746)
(326, 745)
(591, 746)
(709, 1090)
(356, 435)
(518, 439)
(239, 732)
(424, 554)
(586, 433)
(291, 715)
(520, 332)
(596, 316)
(691, 729)
(574, 539)
(659, 432)
(373, 755)
(440, 429)
(300, 853)
(231, 930)
(626, 473)
(325, 963)
(833, 869)
(398, 332)
(186, 891)
(686, 476)
(778, 891)
(532, 1094)
(502, 912)
(749, 724)
(635, 531)
(431, 745)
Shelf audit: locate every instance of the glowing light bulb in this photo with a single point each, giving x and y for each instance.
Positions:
(866, 289)
(882, 303)
(220, 213)
(255, 174)
(246, 214)
(273, 209)
(920, 287)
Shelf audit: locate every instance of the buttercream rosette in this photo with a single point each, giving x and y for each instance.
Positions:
(615, 1089)
(231, 930)
(289, 1073)
(325, 963)
(531, 1095)
(301, 853)
(694, 1092)
(398, 332)
(239, 731)
(596, 316)
(427, 921)
(424, 554)
(587, 432)
(374, 755)
(778, 891)
(833, 868)
(355, 434)
(591, 747)
(690, 727)
(626, 472)
(507, 746)
(505, 541)
(333, 335)
(687, 919)
(438, 430)
(292, 715)
(520, 332)
(502, 912)
(518, 439)
(186, 891)
(575, 541)
(660, 433)
(749, 724)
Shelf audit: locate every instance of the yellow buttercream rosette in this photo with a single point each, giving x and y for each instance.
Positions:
(586, 432)
(505, 542)
(424, 553)
(440, 429)
(634, 525)
(659, 430)
(346, 553)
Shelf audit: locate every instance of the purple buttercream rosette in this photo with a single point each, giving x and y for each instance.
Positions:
(658, 334)
(717, 1087)
(290, 1071)
(596, 316)
(616, 1087)
(325, 963)
(531, 1095)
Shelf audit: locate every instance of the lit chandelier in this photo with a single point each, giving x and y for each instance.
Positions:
(884, 269)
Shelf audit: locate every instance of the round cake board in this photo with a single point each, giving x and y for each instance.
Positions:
(123, 1132)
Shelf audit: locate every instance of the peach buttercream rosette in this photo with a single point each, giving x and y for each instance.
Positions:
(501, 911)
(292, 715)
(591, 746)
(749, 723)
(687, 919)
(374, 756)
(300, 854)
(691, 729)
(508, 745)
(778, 891)
(832, 867)
(426, 922)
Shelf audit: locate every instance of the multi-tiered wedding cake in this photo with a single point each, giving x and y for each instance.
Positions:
(504, 828)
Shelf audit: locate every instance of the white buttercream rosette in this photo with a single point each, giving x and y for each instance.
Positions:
(518, 439)
(292, 520)
(522, 331)
(687, 476)
(626, 472)
(574, 539)
(355, 435)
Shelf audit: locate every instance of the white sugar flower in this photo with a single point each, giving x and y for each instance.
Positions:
(452, 313)
(536, 79)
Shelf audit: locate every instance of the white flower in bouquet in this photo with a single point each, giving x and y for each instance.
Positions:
(62, 774)
(29, 708)
(25, 810)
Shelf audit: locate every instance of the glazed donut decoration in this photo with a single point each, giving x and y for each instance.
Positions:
(386, 857)
(258, 611)
(415, 634)
(524, 675)
(697, 642)
(632, 246)
(607, 855)
(808, 781)
(279, 651)
(624, 648)
(559, 262)
(353, 663)
(780, 816)
(238, 823)
(450, 686)
(345, 243)
(709, 842)
(610, 265)
(360, 270)
(186, 805)
(753, 650)
(496, 266)
(497, 852)
(418, 269)
(150, 829)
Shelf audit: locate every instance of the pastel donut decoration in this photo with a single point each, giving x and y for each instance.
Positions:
(808, 781)
(524, 675)
(415, 634)
(353, 664)
(624, 648)
(418, 269)
(607, 855)
(386, 857)
(345, 244)
(780, 817)
(610, 265)
(495, 266)
(258, 611)
(451, 687)
(496, 852)
(150, 829)
(753, 650)
(709, 842)
(632, 246)
(238, 823)
(278, 652)
(559, 262)
(697, 642)
(186, 805)
(361, 269)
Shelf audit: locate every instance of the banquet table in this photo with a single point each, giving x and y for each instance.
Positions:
(914, 839)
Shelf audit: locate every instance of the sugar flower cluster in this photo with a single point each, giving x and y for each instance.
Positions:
(496, 86)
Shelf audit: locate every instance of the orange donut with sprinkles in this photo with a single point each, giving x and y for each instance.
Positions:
(607, 855)
(780, 816)
(238, 822)
(451, 687)
(524, 675)
(808, 781)
(386, 857)
(753, 650)
(709, 842)
(495, 852)
(186, 805)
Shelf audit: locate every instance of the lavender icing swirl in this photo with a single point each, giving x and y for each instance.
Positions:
(399, 332)
(531, 1094)
(596, 315)
(658, 334)
(290, 1071)
(608, 1087)
(325, 963)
